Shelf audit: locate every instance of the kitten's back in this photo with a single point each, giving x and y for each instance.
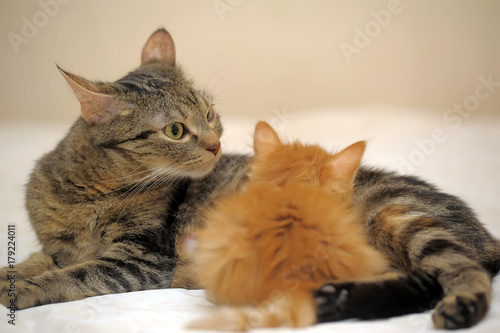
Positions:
(269, 239)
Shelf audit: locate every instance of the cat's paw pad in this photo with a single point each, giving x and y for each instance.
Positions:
(330, 301)
(17, 294)
(4, 294)
(460, 311)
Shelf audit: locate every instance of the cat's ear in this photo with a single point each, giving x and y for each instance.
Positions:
(96, 106)
(159, 48)
(264, 138)
(346, 163)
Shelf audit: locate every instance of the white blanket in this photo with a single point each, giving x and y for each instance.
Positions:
(461, 158)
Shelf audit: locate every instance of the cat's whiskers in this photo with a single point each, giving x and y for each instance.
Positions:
(131, 194)
(121, 180)
(210, 87)
(133, 176)
(139, 184)
(170, 180)
(132, 184)
(212, 66)
(149, 183)
(154, 180)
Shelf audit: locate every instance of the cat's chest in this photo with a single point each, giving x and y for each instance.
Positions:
(117, 215)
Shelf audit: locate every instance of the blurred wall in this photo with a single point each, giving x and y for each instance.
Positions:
(259, 56)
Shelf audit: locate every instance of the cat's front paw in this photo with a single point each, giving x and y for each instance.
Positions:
(460, 311)
(331, 301)
(17, 294)
(7, 288)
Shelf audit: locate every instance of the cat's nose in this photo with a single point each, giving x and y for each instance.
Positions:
(214, 148)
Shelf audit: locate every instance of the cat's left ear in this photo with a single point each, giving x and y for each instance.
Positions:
(159, 48)
(96, 106)
(346, 163)
(264, 138)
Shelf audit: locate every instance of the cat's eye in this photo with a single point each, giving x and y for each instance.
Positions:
(210, 115)
(174, 131)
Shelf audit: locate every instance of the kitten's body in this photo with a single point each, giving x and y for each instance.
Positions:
(266, 248)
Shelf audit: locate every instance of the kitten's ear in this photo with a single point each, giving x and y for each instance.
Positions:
(96, 107)
(264, 138)
(346, 163)
(159, 48)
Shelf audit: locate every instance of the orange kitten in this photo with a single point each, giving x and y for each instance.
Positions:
(265, 249)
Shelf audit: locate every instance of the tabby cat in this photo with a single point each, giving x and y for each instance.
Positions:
(264, 250)
(103, 203)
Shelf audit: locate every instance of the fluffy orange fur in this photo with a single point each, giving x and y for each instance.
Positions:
(263, 250)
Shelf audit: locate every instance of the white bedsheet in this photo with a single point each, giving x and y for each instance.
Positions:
(464, 160)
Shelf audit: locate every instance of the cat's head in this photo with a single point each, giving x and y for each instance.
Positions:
(154, 115)
(280, 163)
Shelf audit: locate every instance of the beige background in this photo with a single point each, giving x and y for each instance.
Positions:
(257, 56)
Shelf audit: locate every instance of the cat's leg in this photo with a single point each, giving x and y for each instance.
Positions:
(443, 263)
(36, 264)
(377, 297)
(12, 277)
(123, 267)
(466, 285)
(467, 293)
(184, 276)
(439, 248)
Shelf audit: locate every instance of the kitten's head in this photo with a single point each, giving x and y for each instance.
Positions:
(153, 115)
(281, 163)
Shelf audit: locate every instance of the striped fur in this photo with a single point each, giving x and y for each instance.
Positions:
(445, 256)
